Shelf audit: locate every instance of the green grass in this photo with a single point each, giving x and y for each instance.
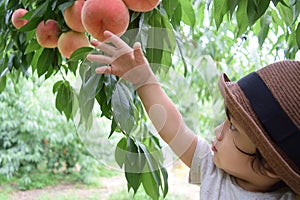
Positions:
(46, 196)
(140, 195)
(5, 191)
(107, 172)
(43, 178)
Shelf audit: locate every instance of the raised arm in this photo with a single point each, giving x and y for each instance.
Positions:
(131, 64)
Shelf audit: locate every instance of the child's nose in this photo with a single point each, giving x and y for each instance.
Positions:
(219, 131)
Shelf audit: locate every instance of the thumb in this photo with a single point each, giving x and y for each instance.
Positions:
(138, 53)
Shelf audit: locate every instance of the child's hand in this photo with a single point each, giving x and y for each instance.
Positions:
(123, 61)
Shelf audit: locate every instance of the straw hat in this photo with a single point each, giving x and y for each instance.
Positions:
(266, 104)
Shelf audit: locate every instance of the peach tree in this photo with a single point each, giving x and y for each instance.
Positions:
(50, 37)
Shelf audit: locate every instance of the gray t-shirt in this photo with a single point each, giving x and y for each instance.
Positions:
(216, 184)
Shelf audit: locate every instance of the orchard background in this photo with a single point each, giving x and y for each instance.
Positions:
(197, 40)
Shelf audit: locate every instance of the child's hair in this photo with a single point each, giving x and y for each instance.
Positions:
(266, 104)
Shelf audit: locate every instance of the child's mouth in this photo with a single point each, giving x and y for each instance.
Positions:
(213, 147)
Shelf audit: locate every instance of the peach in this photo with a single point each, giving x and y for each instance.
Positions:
(69, 41)
(100, 15)
(15, 18)
(72, 16)
(47, 33)
(141, 5)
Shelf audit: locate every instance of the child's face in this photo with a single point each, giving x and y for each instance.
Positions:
(233, 150)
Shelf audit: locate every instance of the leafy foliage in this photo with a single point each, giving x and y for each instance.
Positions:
(32, 135)
(279, 16)
(215, 30)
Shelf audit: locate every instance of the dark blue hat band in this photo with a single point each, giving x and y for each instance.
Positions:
(272, 117)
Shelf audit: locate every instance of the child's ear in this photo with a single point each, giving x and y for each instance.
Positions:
(269, 171)
(271, 174)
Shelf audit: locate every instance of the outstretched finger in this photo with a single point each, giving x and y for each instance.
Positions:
(117, 41)
(99, 58)
(106, 48)
(103, 70)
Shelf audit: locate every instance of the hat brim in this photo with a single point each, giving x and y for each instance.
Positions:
(236, 103)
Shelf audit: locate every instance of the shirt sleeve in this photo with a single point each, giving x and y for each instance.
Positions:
(202, 151)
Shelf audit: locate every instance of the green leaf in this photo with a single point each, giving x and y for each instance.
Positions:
(298, 35)
(182, 55)
(32, 46)
(154, 56)
(242, 18)
(113, 127)
(2, 83)
(168, 35)
(80, 54)
(90, 88)
(32, 24)
(276, 19)
(275, 2)
(134, 16)
(86, 114)
(220, 8)
(57, 86)
(121, 107)
(65, 5)
(36, 16)
(166, 59)
(60, 102)
(64, 98)
(105, 105)
(43, 63)
(285, 13)
(120, 152)
(40, 11)
(176, 18)
(296, 10)
(131, 156)
(10, 61)
(150, 186)
(132, 168)
(35, 58)
(265, 22)
(152, 164)
(69, 100)
(109, 81)
(91, 85)
(255, 9)
(9, 4)
(188, 14)
(233, 5)
(72, 66)
(134, 180)
(165, 176)
(170, 6)
(155, 36)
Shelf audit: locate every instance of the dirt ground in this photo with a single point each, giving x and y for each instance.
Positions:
(178, 185)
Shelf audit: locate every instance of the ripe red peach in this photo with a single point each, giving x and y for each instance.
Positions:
(72, 16)
(15, 18)
(47, 33)
(141, 5)
(100, 15)
(69, 41)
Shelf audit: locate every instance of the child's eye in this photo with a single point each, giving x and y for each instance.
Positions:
(232, 127)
